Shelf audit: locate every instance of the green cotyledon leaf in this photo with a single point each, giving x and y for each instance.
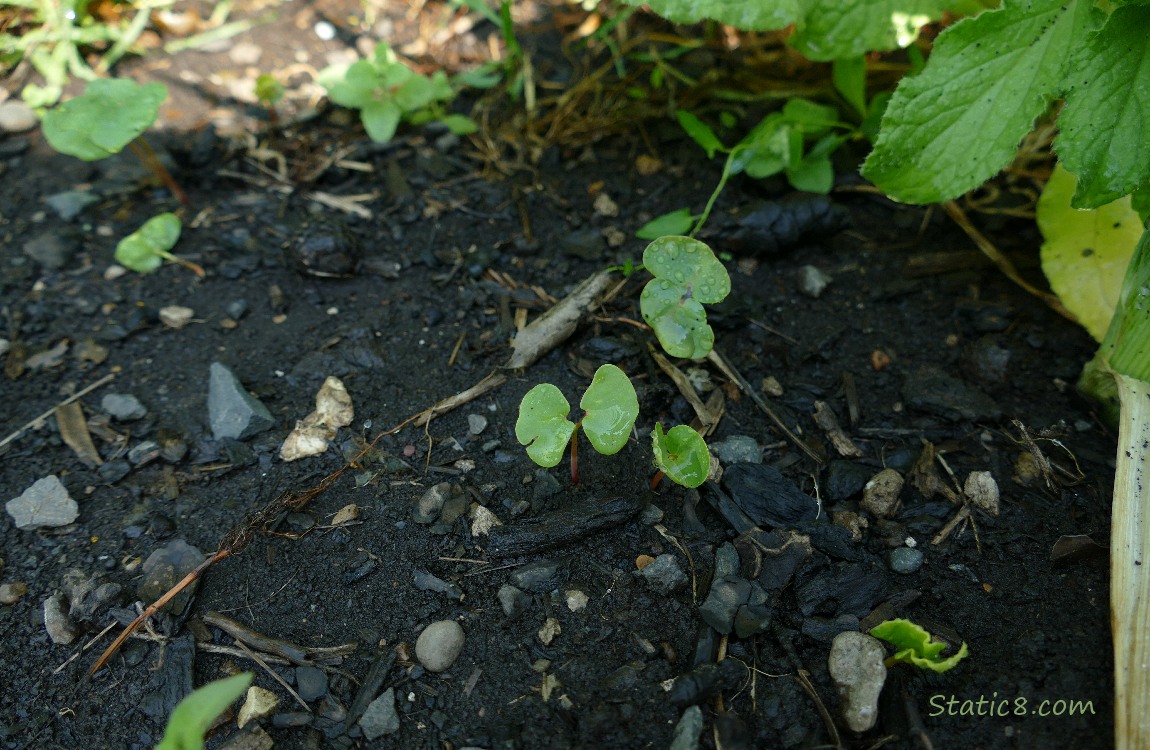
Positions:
(956, 124)
(1104, 124)
(542, 424)
(681, 454)
(687, 275)
(610, 407)
(1085, 253)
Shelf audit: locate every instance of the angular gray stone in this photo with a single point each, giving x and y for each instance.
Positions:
(164, 568)
(380, 718)
(812, 281)
(431, 503)
(310, 683)
(539, 576)
(688, 730)
(123, 406)
(439, 645)
(232, 411)
(664, 576)
(738, 449)
(856, 665)
(932, 390)
(45, 504)
(60, 628)
(723, 602)
(52, 250)
(513, 601)
(70, 203)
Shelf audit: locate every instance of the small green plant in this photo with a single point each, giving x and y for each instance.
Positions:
(687, 276)
(609, 406)
(386, 91)
(194, 714)
(111, 113)
(147, 248)
(914, 645)
(681, 455)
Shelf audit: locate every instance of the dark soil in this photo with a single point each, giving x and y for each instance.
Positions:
(451, 255)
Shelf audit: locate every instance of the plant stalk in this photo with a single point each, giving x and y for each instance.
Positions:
(142, 149)
(1130, 569)
(575, 454)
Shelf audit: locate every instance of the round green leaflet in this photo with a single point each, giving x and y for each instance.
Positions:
(610, 407)
(145, 249)
(681, 454)
(543, 426)
(687, 276)
(108, 116)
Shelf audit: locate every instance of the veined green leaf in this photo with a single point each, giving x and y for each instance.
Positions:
(834, 29)
(1104, 124)
(952, 127)
(743, 14)
(1126, 348)
(1086, 253)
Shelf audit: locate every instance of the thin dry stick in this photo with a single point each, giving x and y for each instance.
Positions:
(80, 394)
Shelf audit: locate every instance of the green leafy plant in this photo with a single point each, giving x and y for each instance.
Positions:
(687, 276)
(609, 406)
(194, 714)
(681, 455)
(111, 113)
(147, 248)
(386, 91)
(54, 36)
(914, 645)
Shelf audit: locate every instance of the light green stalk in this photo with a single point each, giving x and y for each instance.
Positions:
(1126, 353)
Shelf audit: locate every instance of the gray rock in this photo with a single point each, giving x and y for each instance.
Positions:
(172, 679)
(70, 203)
(723, 602)
(144, 453)
(688, 730)
(45, 504)
(88, 599)
(439, 645)
(905, 560)
(164, 568)
(232, 411)
(738, 448)
(513, 600)
(540, 576)
(16, 117)
(123, 406)
(812, 281)
(664, 575)
(881, 494)
(430, 504)
(754, 617)
(856, 665)
(476, 423)
(545, 485)
(52, 250)
(726, 560)
(380, 718)
(310, 683)
(60, 628)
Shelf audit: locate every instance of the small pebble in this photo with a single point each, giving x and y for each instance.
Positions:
(123, 406)
(16, 117)
(10, 593)
(905, 560)
(439, 645)
(812, 281)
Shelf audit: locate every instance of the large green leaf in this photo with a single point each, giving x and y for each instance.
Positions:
(610, 407)
(1107, 114)
(835, 29)
(106, 117)
(1086, 253)
(758, 15)
(543, 426)
(193, 715)
(687, 275)
(956, 124)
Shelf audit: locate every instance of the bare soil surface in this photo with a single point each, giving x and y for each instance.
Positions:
(448, 258)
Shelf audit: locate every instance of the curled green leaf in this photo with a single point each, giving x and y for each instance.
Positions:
(681, 454)
(146, 249)
(193, 715)
(913, 644)
(687, 275)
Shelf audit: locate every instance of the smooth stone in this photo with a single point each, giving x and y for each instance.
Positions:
(70, 203)
(232, 411)
(431, 503)
(812, 281)
(514, 601)
(310, 683)
(688, 730)
(905, 560)
(931, 390)
(16, 117)
(856, 665)
(539, 576)
(123, 406)
(60, 629)
(476, 423)
(52, 250)
(164, 568)
(664, 576)
(45, 504)
(439, 645)
(380, 718)
(738, 449)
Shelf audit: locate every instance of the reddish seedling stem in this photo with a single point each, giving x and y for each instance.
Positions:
(141, 149)
(575, 453)
(658, 478)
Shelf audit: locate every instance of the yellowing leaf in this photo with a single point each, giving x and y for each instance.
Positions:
(1086, 253)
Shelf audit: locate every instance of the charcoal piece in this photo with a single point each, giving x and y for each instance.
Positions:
(931, 390)
(540, 576)
(767, 497)
(368, 690)
(782, 553)
(706, 681)
(707, 645)
(727, 594)
(563, 526)
(842, 589)
(780, 225)
(834, 541)
(172, 681)
(825, 629)
(845, 479)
